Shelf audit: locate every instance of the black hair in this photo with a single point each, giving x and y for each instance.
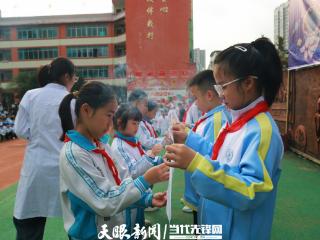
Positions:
(137, 94)
(95, 94)
(125, 113)
(57, 69)
(204, 80)
(152, 105)
(43, 75)
(259, 58)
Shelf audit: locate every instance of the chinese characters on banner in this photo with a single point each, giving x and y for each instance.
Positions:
(150, 11)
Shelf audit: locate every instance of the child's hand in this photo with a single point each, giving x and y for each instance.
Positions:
(159, 199)
(156, 149)
(180, 156)
(179, 126)
(157, 174)
(179, 133)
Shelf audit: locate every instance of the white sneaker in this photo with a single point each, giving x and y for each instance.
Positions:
(186, 209)
(151, 209)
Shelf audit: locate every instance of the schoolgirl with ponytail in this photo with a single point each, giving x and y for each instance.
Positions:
(95, 186)
(237, 179)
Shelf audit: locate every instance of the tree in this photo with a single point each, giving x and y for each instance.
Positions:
(283, 53)
(78, 84)
(25, 81)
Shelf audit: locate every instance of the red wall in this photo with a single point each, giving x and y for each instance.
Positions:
(163, 60)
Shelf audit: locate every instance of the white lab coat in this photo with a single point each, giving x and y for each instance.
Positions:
(38, 121)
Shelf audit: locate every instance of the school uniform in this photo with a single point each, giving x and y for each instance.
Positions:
(163, 125)
(237, 184)
(192, 114)
(173, 116)
(130, 151)
(205, 130)
(155, 122)
(147, 136)
(95, 191)
(38, 122)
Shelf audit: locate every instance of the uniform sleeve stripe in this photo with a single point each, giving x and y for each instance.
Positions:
(217, 121)
(141, 184)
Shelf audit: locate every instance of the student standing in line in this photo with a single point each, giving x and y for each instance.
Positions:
(205, 130)
(127, 147)
(240, 177)
(96, 186)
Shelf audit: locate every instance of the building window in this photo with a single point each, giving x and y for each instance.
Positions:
(87, 31)
(25, 33)
(5, 75)
(120, 49)
(87, 52)
(37, 53)
(28, 70)
(5, 55)
(4, 34)
(119, 27)
(92, 72)
(120, 71)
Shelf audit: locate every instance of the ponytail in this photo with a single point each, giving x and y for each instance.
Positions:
(66, 115)
(272, 78)
(44, 75)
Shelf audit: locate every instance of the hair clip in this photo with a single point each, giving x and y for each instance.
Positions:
(241, 48)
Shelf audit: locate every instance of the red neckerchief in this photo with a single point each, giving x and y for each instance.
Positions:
(194, 129)
(151, 131)
(132, 144)
(185, 114)
(237, 125)
(108, 159)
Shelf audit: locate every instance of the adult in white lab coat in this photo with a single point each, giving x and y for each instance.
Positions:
(38, 122)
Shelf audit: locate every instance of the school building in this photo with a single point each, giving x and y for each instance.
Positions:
(145, 44)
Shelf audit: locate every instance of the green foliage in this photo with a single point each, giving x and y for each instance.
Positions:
(78, 84)
(25, 81)
(283, 53)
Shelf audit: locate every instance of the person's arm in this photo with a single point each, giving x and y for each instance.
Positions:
(22, 120)
(146, 140)
(201, 144)
(204, 144)
(85, 181)
(136, 168)
(144, 202)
